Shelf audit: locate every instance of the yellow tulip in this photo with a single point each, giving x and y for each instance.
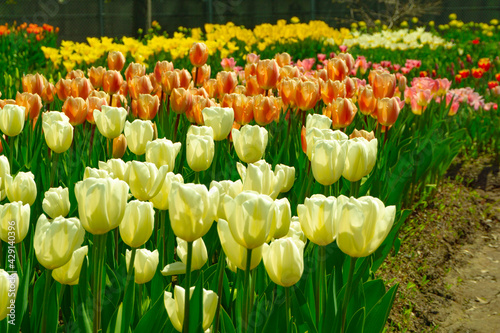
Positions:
(318, 121)
(220, 120)
(250, 142)
(96, 173)
(12, 119)
(260, 178)
(313, 134)
(138, 134)
(162, 152)
(327, 160)
(145, 264)
(199, 258)
(138, 223)
(226, 187)
(360, 159)
(160, 201)
(56, 202)
(110, 120)
(295, 230)
(199, 151)
(14, 222)
(289, 176)
(282, 218)
(8, 291)
(145, 179)
(284, 261)
(58, 133)
(115, 167)
(21, 188)
(69, 273)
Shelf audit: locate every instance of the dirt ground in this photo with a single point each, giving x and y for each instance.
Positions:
(448, 267)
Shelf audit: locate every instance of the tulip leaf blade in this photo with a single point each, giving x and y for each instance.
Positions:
(155, 319)
(374, 291)
(226, 322)
(356, 324)
(127, 307)
(53, 309)
(302, 312)
(21, 299)
(376, 318)
(196, 306)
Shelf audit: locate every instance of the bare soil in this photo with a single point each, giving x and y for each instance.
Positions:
(448, 267)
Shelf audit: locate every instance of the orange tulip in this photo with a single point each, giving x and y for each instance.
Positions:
(74, 74)
(241, 105)
(362, 134)
(48, 93)
(336, 69)
(288, 72)
(350, 87)
(287, 89)
(198, 54)
(139, 85)
(100, 94)
(34, 83)
(240, 89)
(330, 90)
(341, 111)
(93, 103)
(267, 73)
(266, 109)
(402, 84)
(252, 86)
(81, 87)
(119, 101)
(387, 111)
(348, 59)
(252, 58)
(112, 81)
(283, 59)
(162, 67)
(134, 69)
(226, 82)
(199, 91)
(184, 78)
(116, 61)
(4, 102)
(146, 106)
(194, 114)
(366, 100)
(250, 70)
(63, 89)
(119, 146)
(203, 74)
(384, 85)
(322, 74)
(169, 81)
(95, 75)
(210, 87)
(76, 110)
(181, 100)
(307, 95)
(31, 102)
(303, 140)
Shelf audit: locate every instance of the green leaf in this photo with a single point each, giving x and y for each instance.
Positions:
(357, 322)
(196, 306)
(52, 309)
(302, 312)
(374, 291)
(377, 317)
(127, 307)
(22, 298)
(226, 323)
(155, 319)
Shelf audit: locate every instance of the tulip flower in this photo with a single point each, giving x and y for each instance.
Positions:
(55, 241)
(250, 217)
(34, 83)
(220, 120)
(387, 111)
(134, 69)
(175, 307)
(342, 112)
(226, 187)
(307, 95)
(366, 100)
(137, 224)
(295, 230)
(238, 102)
(288, 72)
(318, 217)
(284, 261)
(8, 291)
(289, 176)
(318, 121)
(199, 150)
(384, 85)
(361, 156)
(203, 74)
(363, 225)
(331, 90)
(96, 173)
(145, 179)
(162, 67)
(14, 222)
(115, 167)
(198, 260)
(287, 90)
(180, 100)
(313, 134)
(95, 75)
(81, 87)
(160, 201)
(236, 253)
(110, 121)
(119, 146)
(139, 85)
(95, 103)
(252, 86)
(75, 109)
(250, 142)
(336, 69)
(162, 152)
(69, 273)
(138, 134)
(4, 171)
(12, 119)
(267, 73)
(56, 202)
(116, 60)
(362, 134)
(260, 178)
(170, 80)
(22, 187)
(31, 102)
(327, 160)
(226, 82)
(145, 264)
(266, 109)
(112, 81)
(282, 218)
(198, 54)
(58, 133)
(101, 203)
(63, 89)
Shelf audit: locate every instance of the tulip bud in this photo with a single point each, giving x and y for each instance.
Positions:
(267, 73)
(116, 60)
(175, 307)
(260, 178)
(138, 134)
(145, 264)
(284, 261)
(12, 119)
(115, 167)
(363, 225)
(14, 222)
(289, 173)
(56, 240)
(250, 217)
(250, 142)
(69, 273)
(192, 210)
(220, 120)
(199, 150)
(119, 146)
(8, 291)
(236, 253)
(361, 156)
(32, 104)
(138, 223)
(56, 202)
(327, 160)
(58, 133)
(101, 203)
(145, 179)
(21, 188)
(160, 201)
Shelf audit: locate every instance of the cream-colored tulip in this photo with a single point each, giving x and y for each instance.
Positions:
(175, 307)
(220, 120)
(199, 151)
(138, 134)
(318, 121)
(198, 260)
(295, 230)
(138, 223)
(236, 253)
(282, 218)
(250, 216)
(56, 240)
(21, 188)
(289, 176)
(14, 222)
(162, 152)
(327, 161)
(58, 133)
(115, 167)
(101, 203)
(8, 291)
(200, 130)
(69, 273)
(52, 116)
(56, 202)
(260, 178)
(96, 173)
(4, 170)
(314, 134)
(145, 264)
(12, 119)
(110, 120)
(360, 158)
(160, 201)
(145, 179)
(364, 224)
(192, 210)
(250, 142)
(226, 187)
(284, 261)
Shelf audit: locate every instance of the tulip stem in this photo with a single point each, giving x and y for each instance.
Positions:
(322, 279)
(196, 177)
(288, 308)
(163, 236)
(355, 188)
(130, 271)
(347, 294)
(185, 326)
(48, 280)
(176, 126)
(246, 299)
(11, 153)
(100, 244)
(196, 77)
(219, 290)
(53, 173)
